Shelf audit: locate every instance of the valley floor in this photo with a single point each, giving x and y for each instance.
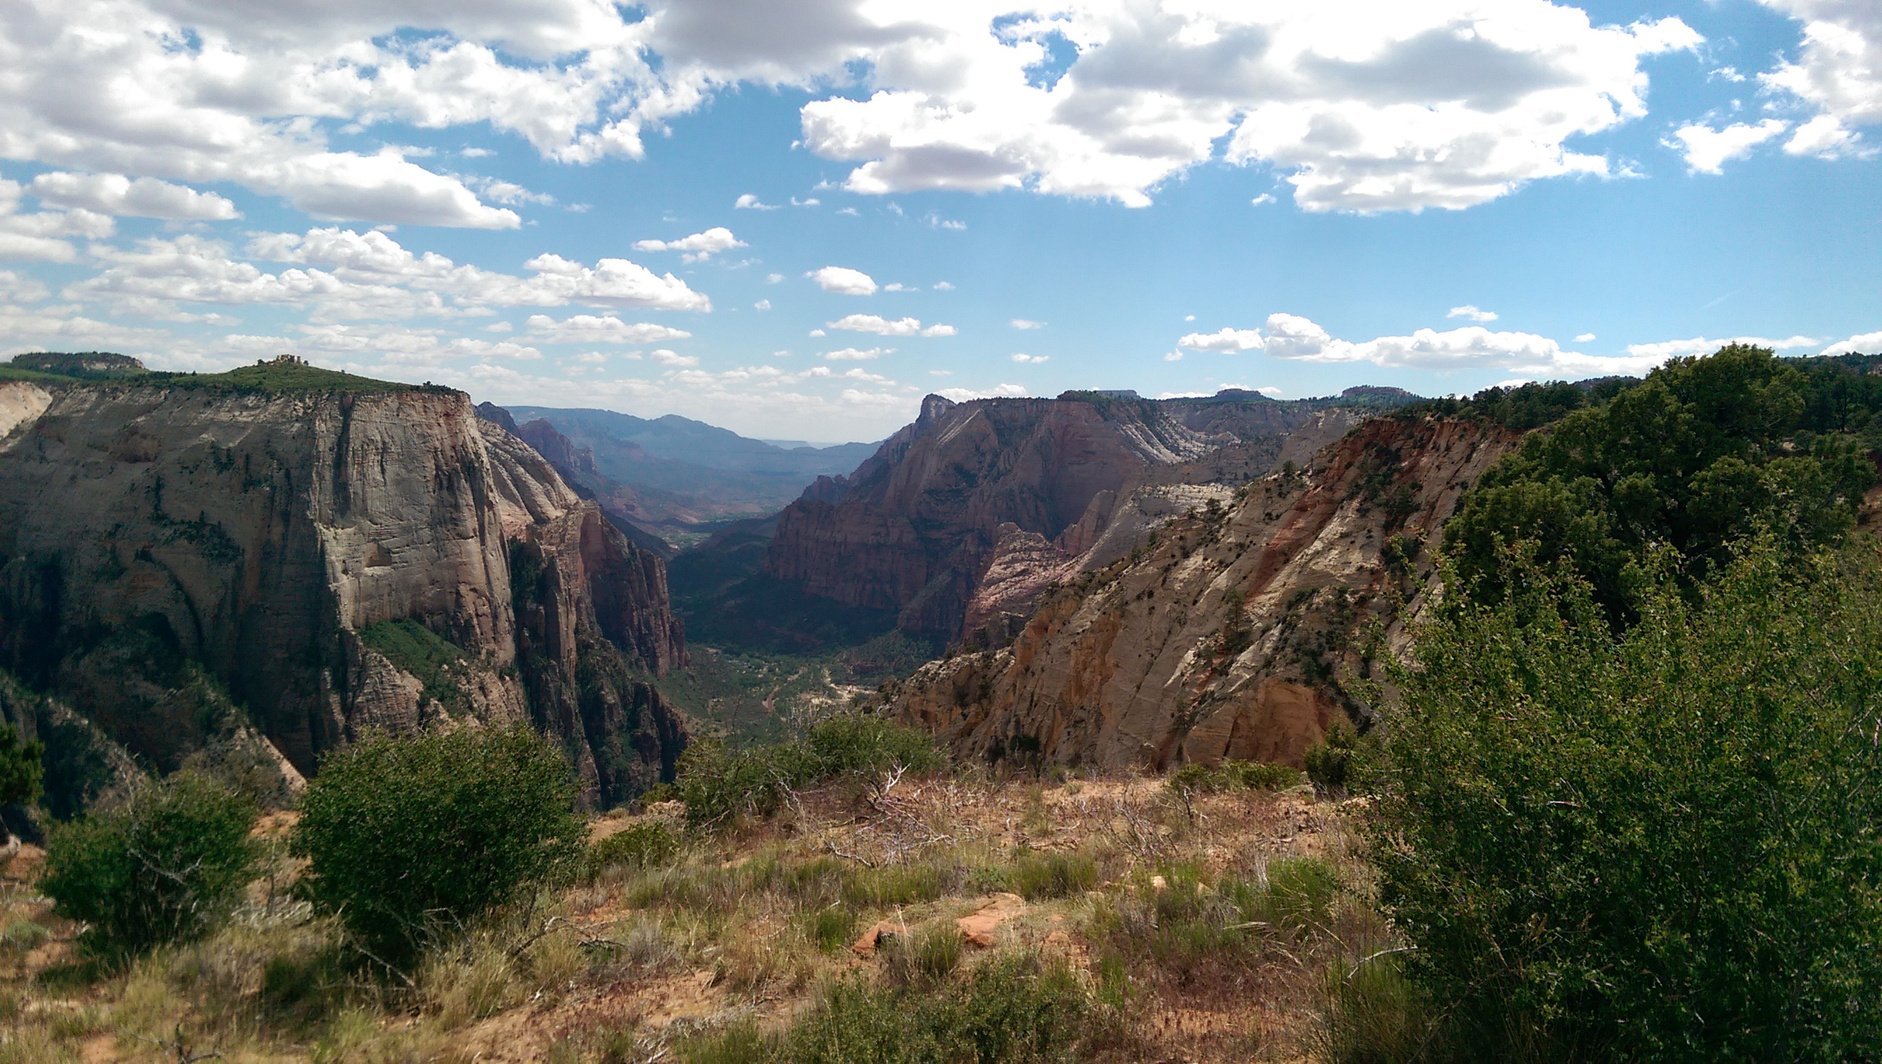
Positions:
(1187, 926)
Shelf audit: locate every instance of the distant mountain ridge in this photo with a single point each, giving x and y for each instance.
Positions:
(676, 478)
(960, 520)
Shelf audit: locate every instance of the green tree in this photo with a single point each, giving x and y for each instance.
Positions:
(1660, 844)
(1704, 452)
(164, 863)
(20, 771)
(409, 836)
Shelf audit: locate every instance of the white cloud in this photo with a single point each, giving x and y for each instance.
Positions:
(144, 197)
(944, 286)
(998, 391)
(1173, 356)
(1026, 324)
(1707, 150)
(1262, 200)
(346, 275)
(854, 354)
(1584, 338)
(1471, 313)
(1030, 360)
(1869, 343)
(1366, 107)
(881, 326)
(1837, 73)
(697, 247)
(663, 357)
(763, 304)
(750, 202)
(1662, 350)
(602, 329)
(843, 280)
(1225, 341)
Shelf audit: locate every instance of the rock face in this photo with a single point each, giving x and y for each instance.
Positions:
(334, 561)
(981, 504)
(1237, 632)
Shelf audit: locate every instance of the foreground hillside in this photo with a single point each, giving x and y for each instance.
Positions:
(317, 555)
(1115, 918)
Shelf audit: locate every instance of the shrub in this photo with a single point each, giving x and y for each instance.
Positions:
(719, 785)
(19, 771)
(1656, 845)
(1011, 1009)
(164, 864)
(643, 845)
(1329, 759)
(1235, 776)
(404, 836)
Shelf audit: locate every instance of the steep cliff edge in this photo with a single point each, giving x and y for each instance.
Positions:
(1017, 484)
(333, 559)
(1237, 631)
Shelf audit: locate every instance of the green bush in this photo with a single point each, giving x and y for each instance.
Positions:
(1011, 1010)
(164, 864)
(719, 785)
(643, 845)
(1235, 776)
(1657, 845)
(406, 836)
(1329, 760)
(1035, 876)
(20, 771)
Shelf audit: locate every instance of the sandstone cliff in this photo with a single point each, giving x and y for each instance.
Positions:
(333, 559)
(1235, 632)
(962, 517)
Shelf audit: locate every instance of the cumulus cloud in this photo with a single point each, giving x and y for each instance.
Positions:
(881, 326)
(1660, 351)
(1224, 341)
(1365, 107)
(998, 391)
(856, 354)
(342, 274)
(843, 280)
(749, 201)
(697, 247)
(143, 197)
(600, 329)
(1030, 360)
(1869, 343)
(1471, 313)
(1837, 73)
(1707, 150)
(1026, 324)
(664, 357)
(1470, 347)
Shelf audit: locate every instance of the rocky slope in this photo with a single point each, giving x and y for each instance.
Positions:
(1236, 632)
(334, 559)
(962, 518)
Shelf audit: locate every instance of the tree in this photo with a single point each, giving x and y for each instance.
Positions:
(20, 771)
(1703, 453)
(164, 863)
(407, 837)
(1660, 844)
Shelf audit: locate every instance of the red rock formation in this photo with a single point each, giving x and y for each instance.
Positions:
(916, 527)
(1234, 634)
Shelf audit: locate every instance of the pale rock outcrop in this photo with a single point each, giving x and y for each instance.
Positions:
(260, 535)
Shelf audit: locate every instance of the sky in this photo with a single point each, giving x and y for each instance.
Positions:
(797, 219)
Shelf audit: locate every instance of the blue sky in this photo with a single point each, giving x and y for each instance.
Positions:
(795, 220)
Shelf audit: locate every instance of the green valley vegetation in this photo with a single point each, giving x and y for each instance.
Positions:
(275, 377)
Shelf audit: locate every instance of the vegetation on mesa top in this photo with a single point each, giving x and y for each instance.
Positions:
(281, 376)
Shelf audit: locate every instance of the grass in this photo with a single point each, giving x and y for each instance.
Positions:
(1144, 935)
